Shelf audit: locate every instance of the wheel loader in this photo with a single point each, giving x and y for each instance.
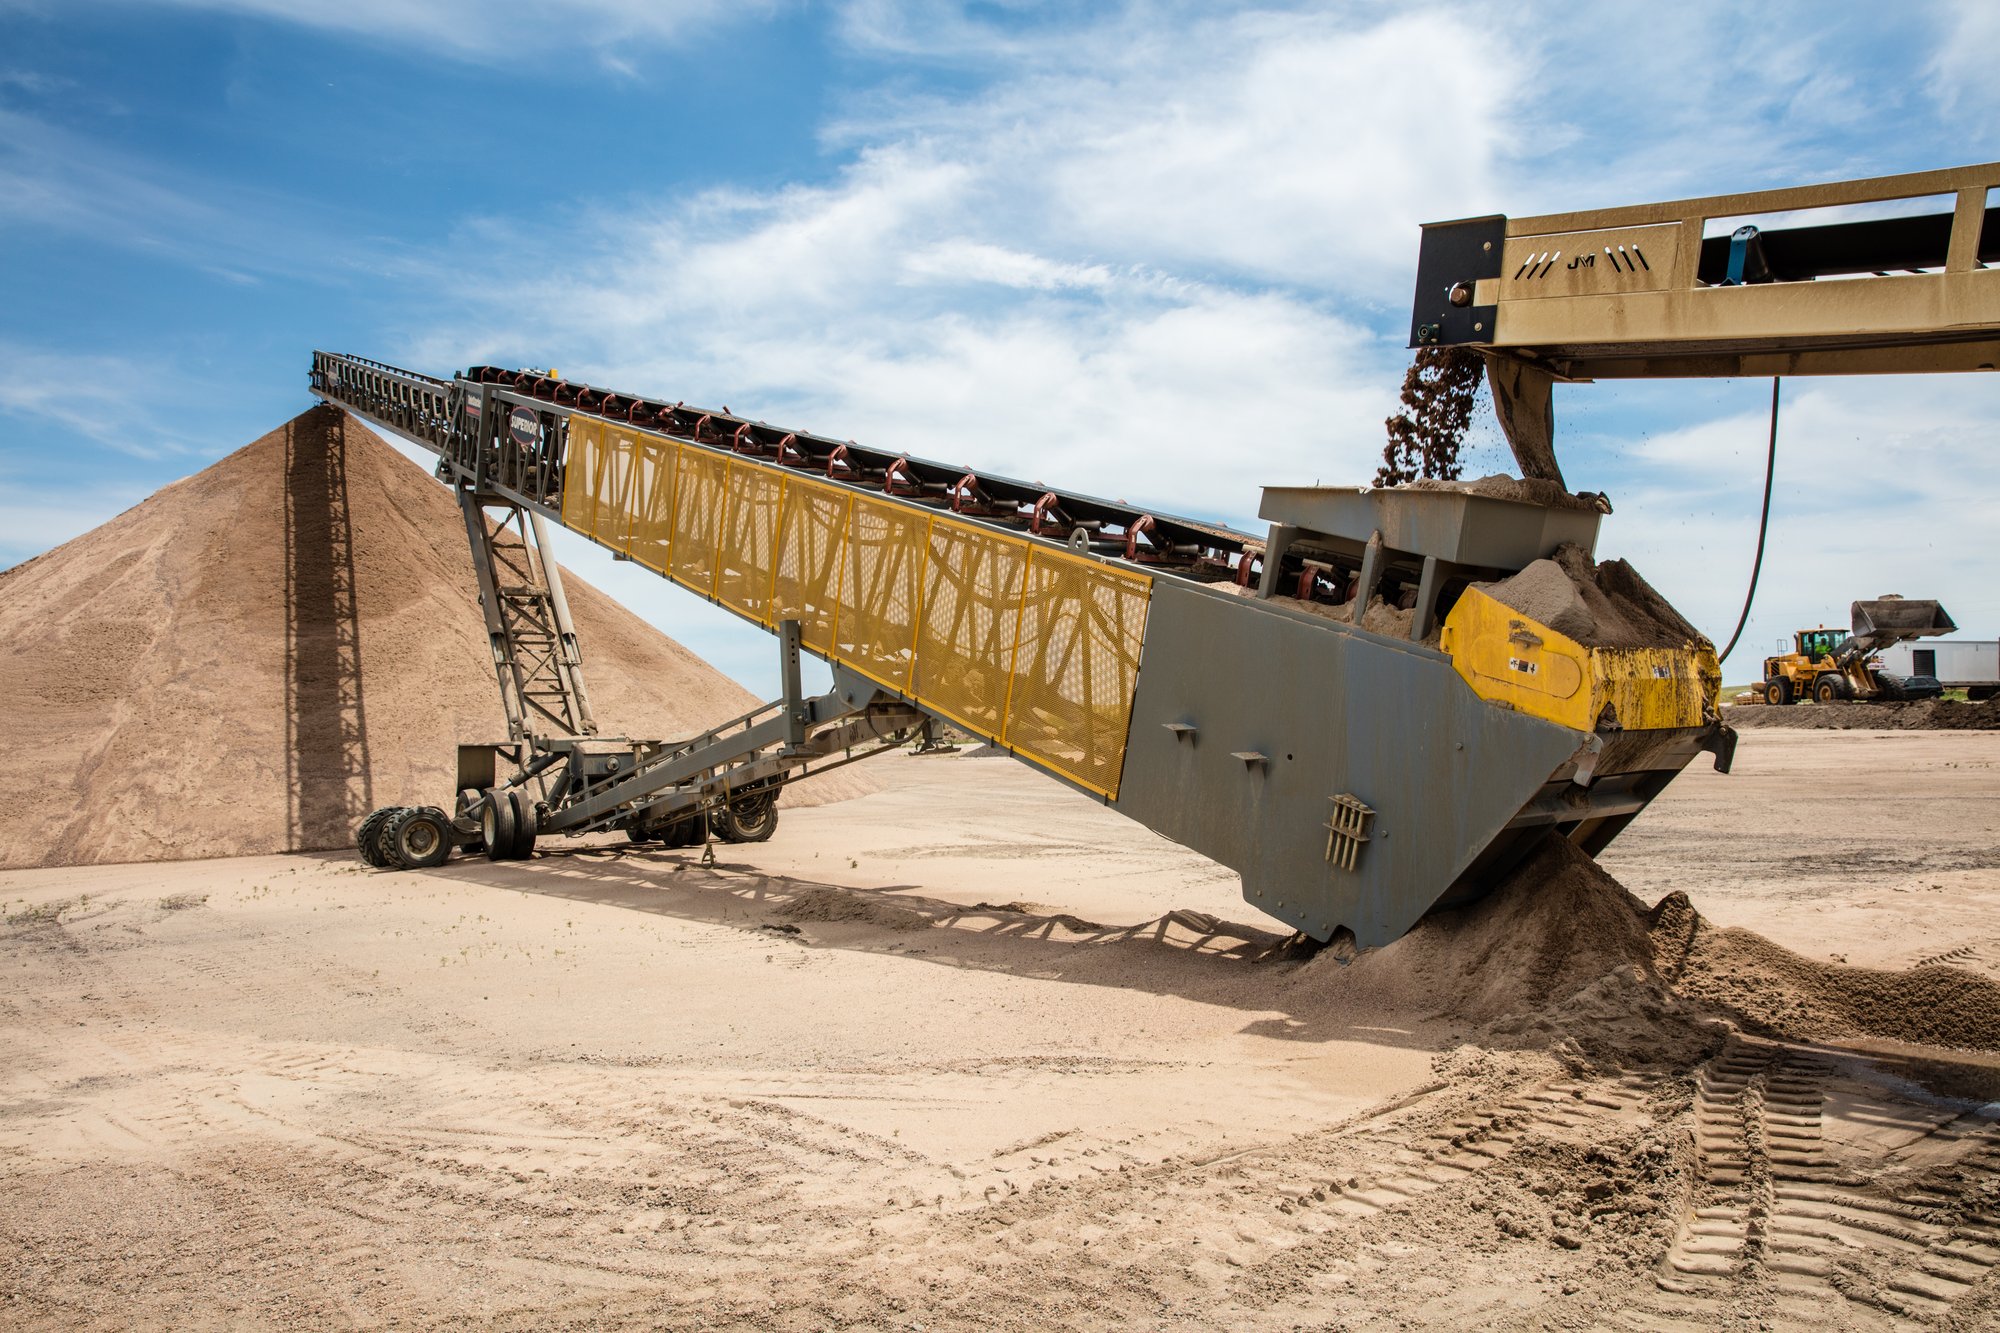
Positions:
(1832, 666)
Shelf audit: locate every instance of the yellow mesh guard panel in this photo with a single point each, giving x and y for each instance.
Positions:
(878, 599)
(1031, 647)
(746, 554)
(652, 536)
(1081, 628)
(701, 480)
(614, 512)
(811, 530)
(579, 511)
(972, 603)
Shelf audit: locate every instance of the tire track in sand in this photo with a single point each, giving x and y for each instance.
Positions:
(1775, 1221)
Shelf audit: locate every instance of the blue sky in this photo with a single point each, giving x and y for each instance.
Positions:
(1158, 251)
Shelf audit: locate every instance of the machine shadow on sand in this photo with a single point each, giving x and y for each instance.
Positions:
(1188, 954)
(327, 782)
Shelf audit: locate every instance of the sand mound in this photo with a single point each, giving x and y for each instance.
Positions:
(1562, 953)
(1767, 989)
(1923, 715)
(1607, 605)
(830, 904)
(1500, 486)
(257, 655)
(1557, 924)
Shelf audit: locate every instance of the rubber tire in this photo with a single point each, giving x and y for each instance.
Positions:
(496, 825)
(633, 833)
(752, 820)
(1778, 692)
(367, 840)
(686, 831)
(524, 825)
(417, 839)
(1826, 690)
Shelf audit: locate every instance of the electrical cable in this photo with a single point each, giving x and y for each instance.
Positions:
(1763, 526)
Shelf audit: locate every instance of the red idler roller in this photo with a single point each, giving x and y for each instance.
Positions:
(837, 465)
(677, 420)
(545, 388)
(967, 496)
(1137, 528)
(1048, 519)
(614, 407)
(644, 414)
(567, 392)
(790, 455)
(899, 479)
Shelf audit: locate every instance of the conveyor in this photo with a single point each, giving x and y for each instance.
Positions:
(1210, 684)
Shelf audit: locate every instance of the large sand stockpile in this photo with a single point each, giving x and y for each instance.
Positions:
(257, 655)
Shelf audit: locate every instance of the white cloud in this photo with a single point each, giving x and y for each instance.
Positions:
(124, 405)
(1963, 64)
(502, 31)
(53, 179)
(1282, 146)
(1100, 271)
(1883, 485)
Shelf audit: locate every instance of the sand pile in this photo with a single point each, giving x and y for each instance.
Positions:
(1560, 953)
(1767, 989)
(257, 655)
(1922, 715)
(1607, 605)
(1556, 924)
(1500, 486)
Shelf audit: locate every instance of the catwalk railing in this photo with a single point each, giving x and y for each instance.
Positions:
(1021, 641)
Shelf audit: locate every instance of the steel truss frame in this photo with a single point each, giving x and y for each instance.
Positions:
(579, 781)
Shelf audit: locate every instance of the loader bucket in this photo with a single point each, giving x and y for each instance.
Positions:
(1890, 620)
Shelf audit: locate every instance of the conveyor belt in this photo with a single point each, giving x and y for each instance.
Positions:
(1013, 610)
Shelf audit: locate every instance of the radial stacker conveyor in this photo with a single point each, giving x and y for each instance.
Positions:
(1187, 675)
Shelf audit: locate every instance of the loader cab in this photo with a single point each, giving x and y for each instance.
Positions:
(1815, 644)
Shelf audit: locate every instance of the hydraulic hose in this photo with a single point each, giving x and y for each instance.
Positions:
(1763, 525)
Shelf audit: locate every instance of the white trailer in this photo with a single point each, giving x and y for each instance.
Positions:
(1972, 665)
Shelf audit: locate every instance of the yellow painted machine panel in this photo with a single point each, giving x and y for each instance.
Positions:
(1030, 647)
(1511, 658)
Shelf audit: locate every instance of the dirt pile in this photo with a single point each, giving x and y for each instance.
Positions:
(1922, 715)
(1529, 490)
(1557, 924)
(1605, 605)
(1767, 989)
(1560, 954)
(257, 655)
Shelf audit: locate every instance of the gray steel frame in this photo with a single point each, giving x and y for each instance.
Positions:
(587, 782)
(535, 652)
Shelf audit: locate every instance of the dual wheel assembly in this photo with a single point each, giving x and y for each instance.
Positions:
(507, 823)
(405, 837)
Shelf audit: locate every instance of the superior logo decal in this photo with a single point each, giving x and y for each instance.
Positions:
(525, 427)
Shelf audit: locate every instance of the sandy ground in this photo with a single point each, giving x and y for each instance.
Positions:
(971, 1052)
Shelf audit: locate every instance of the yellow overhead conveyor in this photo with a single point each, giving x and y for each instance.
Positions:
(1030, 647)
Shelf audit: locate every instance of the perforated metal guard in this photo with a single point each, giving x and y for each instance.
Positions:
(1032, 648)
